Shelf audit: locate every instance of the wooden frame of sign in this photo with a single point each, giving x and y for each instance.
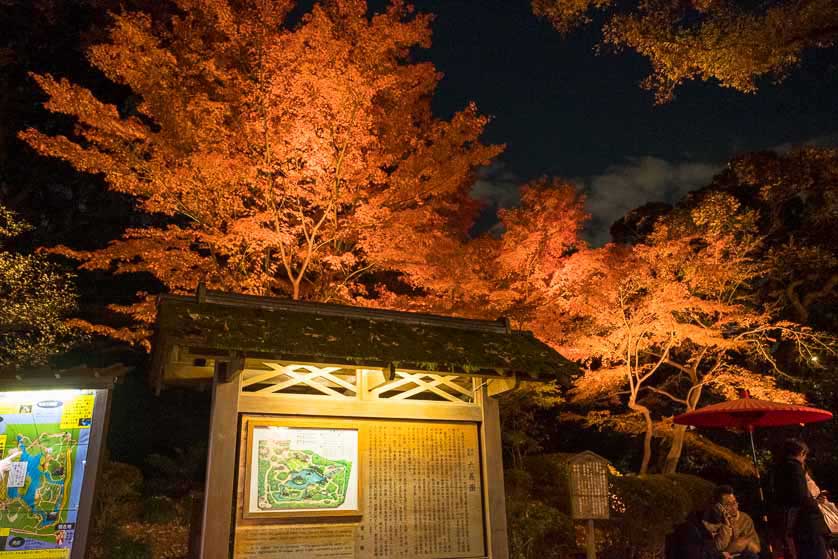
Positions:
(255, 423)
(404, 380)
(231, 407)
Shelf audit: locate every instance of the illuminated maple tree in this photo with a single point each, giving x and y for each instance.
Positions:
(272, 157)
(508, 271)
(733, 43)
(662, 322)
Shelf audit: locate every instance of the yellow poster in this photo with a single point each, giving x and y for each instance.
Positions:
(36, 554)
(2, 449)
(78, 413)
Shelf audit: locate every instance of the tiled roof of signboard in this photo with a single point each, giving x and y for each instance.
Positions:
(80, 376)
(355, 336)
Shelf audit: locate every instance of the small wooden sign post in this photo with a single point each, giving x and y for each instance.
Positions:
(589, 493)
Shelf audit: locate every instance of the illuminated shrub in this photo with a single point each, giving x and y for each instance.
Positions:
(644, 510)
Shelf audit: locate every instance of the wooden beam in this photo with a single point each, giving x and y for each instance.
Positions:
(202, 350)
(495, 499)
(498, 386)
(305, 405)
(219, 492)
(231, 367)
(95, 458)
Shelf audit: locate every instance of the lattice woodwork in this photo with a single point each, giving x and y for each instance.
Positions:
(296, 379)
(425, 386)
(336, 382)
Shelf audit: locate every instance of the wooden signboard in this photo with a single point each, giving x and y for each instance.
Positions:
(419, 489)
(589, 486)
(589, 493)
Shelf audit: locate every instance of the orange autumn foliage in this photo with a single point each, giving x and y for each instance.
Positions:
(507, 271)
(735, 44)
(271, 157)
(662, 323)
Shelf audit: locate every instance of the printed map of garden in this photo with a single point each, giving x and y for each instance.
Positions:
(299, 479)
(43, 448)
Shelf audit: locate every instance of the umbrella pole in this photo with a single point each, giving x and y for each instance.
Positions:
(756, 468)
(759, 485)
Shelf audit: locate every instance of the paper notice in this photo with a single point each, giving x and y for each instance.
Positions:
(17, 474)
(295, 542)
(78, 412)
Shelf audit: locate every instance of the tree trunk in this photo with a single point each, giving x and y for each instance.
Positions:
(679, 433)
(670, 465)
(647, 438)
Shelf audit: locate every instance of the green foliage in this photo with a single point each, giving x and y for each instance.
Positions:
(36, 296)
(128, 523)
(537, 528)
(123, 547)
(647, 508)
(175, 474)
(118, 501)
(522, 430)
(699, 490)
(159, 509)
(119, 495)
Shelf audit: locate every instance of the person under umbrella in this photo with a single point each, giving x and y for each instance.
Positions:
(747, 414)
(736, 534)
(803, 525)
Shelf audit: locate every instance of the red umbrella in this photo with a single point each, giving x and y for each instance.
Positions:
(746, 413)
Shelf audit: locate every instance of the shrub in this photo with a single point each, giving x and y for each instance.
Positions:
(118, 501)
(119, 546)
(537, 528)
(158, 509)
(118, 495)
(130, 525)
(644, 510)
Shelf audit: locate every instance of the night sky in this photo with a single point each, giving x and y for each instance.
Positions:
(564, 110)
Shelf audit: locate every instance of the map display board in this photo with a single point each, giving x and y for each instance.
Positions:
(43, 451)
(295, 469)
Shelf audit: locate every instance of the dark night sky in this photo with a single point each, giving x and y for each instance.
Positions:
(564, 110)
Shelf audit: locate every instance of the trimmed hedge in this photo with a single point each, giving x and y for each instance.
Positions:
(644, 510)
(538, 523)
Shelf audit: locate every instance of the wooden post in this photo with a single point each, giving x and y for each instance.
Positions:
(219, 492)
(95, 457)
(591, 540)
(494, 495)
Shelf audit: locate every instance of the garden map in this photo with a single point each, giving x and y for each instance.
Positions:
(43, 445)
(299, 479)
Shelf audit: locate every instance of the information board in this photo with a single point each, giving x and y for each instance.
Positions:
(420, 490)
(43, 451)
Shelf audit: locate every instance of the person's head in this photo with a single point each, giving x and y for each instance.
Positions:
(795, 449)
(726, 498)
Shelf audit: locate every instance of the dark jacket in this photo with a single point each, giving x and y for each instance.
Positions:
(791, 495)
(691, 540)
